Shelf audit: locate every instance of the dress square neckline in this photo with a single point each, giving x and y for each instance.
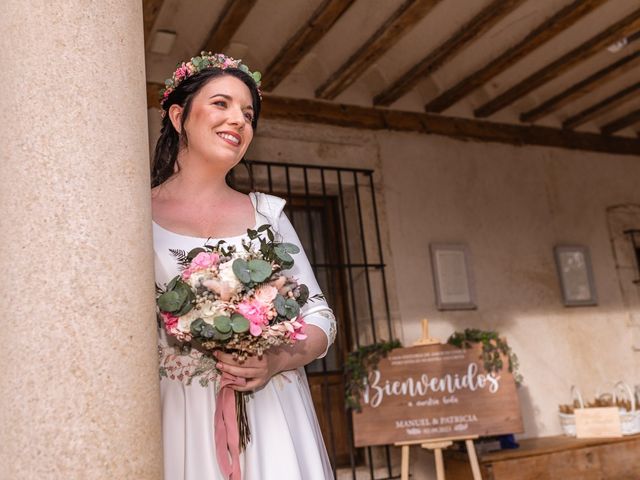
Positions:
(253, 199)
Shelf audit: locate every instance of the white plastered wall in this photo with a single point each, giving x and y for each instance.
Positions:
(511, 205)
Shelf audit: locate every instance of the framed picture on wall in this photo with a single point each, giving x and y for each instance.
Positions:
(576, 276)
(452, 276)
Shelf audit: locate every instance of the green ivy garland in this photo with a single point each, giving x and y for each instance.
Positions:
(357, 367)
(493, 348)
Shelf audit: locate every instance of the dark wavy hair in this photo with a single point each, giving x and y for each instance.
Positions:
(163, 164)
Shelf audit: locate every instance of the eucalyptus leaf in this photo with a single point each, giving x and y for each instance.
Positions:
(196, 326)
(286, 265)
(289, 247)
(292, 307)
(241, 269)
(259, 270)
(186, 296)
(169, 302)
(182, 291)
(280, 304)
(207, 331)
(264, 227)
(171, 285)
(222, 336)
(282, 254)
(186, 308)
(239, 324)
(222, 324)
(304, 294)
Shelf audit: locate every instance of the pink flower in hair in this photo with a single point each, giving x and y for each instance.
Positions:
(197, 64)
(182, 72)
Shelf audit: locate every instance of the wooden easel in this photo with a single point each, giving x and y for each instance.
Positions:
(426, 339)
(437, 444)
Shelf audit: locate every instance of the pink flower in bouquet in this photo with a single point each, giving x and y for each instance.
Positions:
(201, 261)
(266, 294)
(204, 260)
(257, 313)
(170, 322)
(297, 329)
(186, 273)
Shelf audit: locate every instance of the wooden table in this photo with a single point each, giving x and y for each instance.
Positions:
(554, 458)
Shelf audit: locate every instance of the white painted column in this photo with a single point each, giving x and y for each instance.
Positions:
(79, 395)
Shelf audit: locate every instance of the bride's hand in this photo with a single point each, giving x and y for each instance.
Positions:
(257, 371)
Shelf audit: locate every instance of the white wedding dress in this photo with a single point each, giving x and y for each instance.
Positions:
(286, 442)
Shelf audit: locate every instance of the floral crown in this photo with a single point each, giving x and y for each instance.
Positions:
(202, 62)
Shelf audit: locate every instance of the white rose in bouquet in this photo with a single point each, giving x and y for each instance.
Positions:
(226, 285)
(197, 279)
(211, 310)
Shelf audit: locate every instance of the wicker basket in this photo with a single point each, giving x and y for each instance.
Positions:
(629, 419)
(568, 420)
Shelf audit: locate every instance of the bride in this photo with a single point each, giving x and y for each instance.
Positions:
(210, 110)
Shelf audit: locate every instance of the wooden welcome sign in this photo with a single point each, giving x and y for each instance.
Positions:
(435, 391)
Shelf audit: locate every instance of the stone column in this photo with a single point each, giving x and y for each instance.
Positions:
(79, 396)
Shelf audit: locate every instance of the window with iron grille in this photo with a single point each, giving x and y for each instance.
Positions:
(334, 212)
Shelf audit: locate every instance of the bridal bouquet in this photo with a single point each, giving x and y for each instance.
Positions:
(238, 301)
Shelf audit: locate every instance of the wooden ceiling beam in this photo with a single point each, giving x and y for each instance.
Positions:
(150, 11)
(583, 87)
(313, 111)
(602, 107)
(389, 33)
(477, 26)
(325, 16)
(622, 122)
(540, 35)
(230, 19)
(561, 65)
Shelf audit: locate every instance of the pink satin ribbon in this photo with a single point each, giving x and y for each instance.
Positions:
(225, 426)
